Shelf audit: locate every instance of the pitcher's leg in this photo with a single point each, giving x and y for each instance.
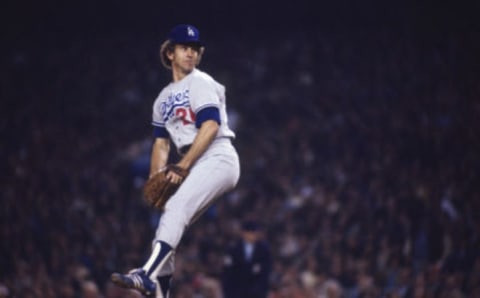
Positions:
(207, 182)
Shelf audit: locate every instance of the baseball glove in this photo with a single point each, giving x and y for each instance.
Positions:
(158, 189)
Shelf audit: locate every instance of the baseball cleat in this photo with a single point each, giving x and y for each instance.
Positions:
(135, 279)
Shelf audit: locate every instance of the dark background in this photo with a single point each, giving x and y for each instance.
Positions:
(24, 19)
(358, 131)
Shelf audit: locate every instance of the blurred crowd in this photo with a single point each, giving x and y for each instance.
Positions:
(359, 154)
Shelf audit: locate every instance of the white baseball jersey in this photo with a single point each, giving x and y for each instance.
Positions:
(214, 173)
(178, 103)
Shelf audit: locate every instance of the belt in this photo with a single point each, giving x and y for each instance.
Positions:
(184, 149)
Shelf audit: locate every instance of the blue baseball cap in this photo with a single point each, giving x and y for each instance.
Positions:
(185, 33)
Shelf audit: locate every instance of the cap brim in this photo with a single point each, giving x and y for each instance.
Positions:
(186, 41)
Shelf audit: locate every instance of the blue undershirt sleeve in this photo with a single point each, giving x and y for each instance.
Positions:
(160, 132)
(208, 113)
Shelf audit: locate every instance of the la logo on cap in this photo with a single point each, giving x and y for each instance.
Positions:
(184, 34)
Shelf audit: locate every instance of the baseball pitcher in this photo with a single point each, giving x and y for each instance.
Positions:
(189, 112)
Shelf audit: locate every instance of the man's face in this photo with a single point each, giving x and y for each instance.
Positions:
(250, 236)
(184, 57)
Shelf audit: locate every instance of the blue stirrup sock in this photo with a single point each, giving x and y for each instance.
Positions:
(164, 282)
(160, 254)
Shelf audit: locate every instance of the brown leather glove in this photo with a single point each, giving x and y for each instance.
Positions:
(158, 189)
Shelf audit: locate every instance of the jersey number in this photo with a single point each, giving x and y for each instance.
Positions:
(187, 115)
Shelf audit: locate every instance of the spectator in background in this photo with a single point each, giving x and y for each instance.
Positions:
(4, 292)
(247, 264)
